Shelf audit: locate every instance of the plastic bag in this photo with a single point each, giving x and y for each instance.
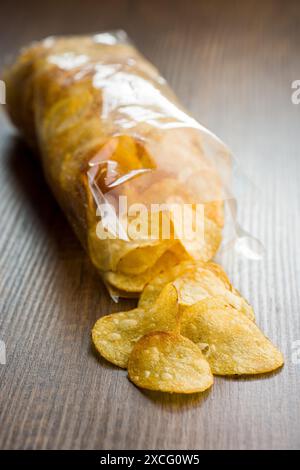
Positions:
(144, 185)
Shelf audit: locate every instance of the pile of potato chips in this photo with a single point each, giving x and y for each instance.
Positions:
(190, 324)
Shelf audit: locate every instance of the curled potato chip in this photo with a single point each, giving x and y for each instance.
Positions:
(201, 283)
(215, 211)
(106, 254)
(154, 287)
(206, 240)
(168, 362)
(129, 283)
(235, 344)
(195, 282)
(116, 294)
(213, 238)
(115, 254)
(143, 258)
(220, 273)
(115, 335)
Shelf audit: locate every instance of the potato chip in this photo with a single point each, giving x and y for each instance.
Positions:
(246, 307)
(235, 344)
(215, 211)
(201, 283)
(195, 282)
(116, 294)
(168, 362)
(114, 254)
(67, 112)
(220, 273)
(131, 154)
(202, 245)
(166, 190)
(143, 258)
(213, 238)
(115, 335)
(129, 283)
(205, 242)
(107, 253)
(154, 287)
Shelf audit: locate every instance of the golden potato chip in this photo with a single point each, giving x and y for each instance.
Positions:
(143, 257)
(180, 252)
(67, 112)
(107, 253)
(215, 211)
(113, 254)
(130, 153)
(202, 245)
(129, 283)
(206, 239)
(167, 190)
(195, 282)
(201, 283)
(154, 287)
(116, 294)
(235, 344)
(213, 238)
(244, 305)
(168, 362)
(220, 273)
(115, 335)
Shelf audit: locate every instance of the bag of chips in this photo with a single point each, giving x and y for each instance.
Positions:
(145, 187)
(142, 183)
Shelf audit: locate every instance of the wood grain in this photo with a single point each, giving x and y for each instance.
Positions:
(232, 65)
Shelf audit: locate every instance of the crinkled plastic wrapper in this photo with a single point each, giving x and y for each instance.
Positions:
(143, 184)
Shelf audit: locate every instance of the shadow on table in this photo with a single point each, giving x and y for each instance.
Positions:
(44, 213)
(249, 378)
(176, 401)
(29, 181)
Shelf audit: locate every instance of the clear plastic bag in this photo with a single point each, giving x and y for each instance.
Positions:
(129, 166)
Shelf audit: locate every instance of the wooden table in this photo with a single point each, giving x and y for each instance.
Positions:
(232, 65)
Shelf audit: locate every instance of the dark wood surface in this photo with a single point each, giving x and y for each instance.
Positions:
(232, 64)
